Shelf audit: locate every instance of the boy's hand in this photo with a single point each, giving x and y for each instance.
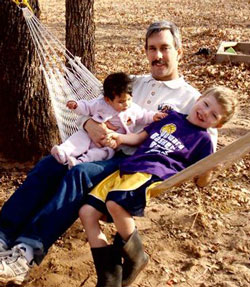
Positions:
(159, 116)
(204, 179)
(72, 105)
(113, 140)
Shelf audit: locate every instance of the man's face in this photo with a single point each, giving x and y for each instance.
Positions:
(163, 56)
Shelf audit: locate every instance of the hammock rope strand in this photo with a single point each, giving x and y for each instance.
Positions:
(65, 76)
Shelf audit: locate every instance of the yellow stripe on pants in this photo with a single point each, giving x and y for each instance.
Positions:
(127, 182)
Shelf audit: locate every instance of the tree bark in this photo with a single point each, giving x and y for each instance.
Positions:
(27, 124)
(80, 30)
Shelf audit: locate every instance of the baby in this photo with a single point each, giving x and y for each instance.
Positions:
(116, 108)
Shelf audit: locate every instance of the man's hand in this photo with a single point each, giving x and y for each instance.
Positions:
(159, 116)
(96, 131)
(72, 105)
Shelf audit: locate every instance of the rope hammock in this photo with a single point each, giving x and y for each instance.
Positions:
(75, 81)
(64, 82)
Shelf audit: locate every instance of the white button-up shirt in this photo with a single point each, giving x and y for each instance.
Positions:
(152, 94)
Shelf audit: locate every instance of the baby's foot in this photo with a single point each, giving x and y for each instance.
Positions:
(59, 154)
(72, 161)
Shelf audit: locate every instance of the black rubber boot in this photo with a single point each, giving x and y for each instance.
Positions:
(134, 257)
(108, 266)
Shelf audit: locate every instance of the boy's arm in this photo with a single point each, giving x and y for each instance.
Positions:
(202, 150)
(204, 179)
(128, 139)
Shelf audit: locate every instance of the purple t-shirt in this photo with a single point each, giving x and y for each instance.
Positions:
(172, 145)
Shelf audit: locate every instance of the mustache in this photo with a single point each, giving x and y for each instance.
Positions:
(155, 62)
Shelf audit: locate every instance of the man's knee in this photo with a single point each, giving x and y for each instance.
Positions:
(48, 166)
(86, 173)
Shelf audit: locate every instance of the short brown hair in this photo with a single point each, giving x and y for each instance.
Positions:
(227, 98)
(157, 27)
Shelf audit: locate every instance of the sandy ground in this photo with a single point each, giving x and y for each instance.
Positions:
(194, 237)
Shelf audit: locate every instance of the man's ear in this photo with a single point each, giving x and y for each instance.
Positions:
(179, 53)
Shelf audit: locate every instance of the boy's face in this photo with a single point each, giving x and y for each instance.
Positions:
(206, 113)
(163, 56)
(120, 103)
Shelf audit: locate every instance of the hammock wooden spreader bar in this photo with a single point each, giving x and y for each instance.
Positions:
(225, 157)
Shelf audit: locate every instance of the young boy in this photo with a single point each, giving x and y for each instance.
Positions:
(117, 108)
(166, 147)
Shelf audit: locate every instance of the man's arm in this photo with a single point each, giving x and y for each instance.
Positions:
(96, 131)
(99, 132)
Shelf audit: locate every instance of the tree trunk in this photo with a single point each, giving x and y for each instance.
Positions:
(80, 30)
(27, 124)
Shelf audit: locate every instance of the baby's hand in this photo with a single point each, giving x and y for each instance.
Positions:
(159, 116)
(72, 105)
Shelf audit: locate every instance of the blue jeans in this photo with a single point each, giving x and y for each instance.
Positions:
(48, 201)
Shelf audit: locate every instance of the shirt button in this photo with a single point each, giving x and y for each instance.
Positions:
(152, 93)
(148, 102)
(153, 85)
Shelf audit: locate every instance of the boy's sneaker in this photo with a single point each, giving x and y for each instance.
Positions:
(14, 268)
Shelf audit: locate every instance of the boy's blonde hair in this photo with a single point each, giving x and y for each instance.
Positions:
(227, 98)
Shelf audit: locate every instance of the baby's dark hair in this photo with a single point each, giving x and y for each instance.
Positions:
(116, 84)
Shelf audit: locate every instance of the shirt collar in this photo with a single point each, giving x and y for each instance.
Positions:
(173, 84)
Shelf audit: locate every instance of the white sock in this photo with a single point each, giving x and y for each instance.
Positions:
(3, 242)
(28, 251)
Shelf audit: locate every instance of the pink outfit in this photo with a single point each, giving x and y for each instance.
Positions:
(79, 144)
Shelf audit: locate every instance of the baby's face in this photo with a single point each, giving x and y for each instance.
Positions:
(206, 113)
(121, 103)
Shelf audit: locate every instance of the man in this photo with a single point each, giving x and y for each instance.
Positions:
(163, 86)
(47, 203)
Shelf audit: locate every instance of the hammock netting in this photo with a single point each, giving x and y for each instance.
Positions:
(66, 77)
